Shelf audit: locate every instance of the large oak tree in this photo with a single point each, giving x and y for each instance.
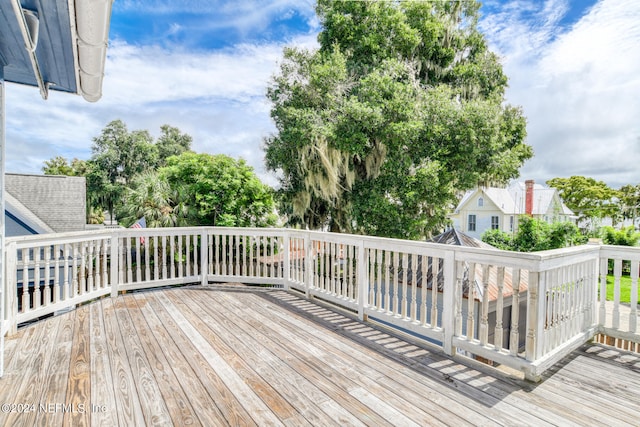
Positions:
(400, 109)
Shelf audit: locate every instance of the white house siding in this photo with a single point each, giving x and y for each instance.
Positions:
(483, 216)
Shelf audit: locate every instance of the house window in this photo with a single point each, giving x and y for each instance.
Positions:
(511, 223)
(495, 222)
(480, 202)
(472, 223)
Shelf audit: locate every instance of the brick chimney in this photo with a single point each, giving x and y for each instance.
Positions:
(528, 201)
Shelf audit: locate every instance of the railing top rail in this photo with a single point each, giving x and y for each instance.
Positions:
(58, 238)
(626, 253)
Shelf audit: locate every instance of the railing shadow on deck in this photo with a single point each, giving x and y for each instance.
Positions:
(525, 311)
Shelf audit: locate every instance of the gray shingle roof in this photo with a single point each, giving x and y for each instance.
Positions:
(57, 201)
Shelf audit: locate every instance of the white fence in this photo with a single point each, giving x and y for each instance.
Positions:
(525, 311)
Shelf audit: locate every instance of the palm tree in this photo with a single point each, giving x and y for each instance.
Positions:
(151, 197)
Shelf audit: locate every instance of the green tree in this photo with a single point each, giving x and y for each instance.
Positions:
(623, 237)
(498, 239)
(59, 165)
(118, 156)
(630, 202)
(221, 191)
(536, 235)
(150, 196)
(400, 108)
(171, 142)
(592, 200)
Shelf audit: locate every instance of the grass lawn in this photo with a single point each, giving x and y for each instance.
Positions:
(625, 289)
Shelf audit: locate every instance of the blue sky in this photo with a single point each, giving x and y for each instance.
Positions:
(203, 66)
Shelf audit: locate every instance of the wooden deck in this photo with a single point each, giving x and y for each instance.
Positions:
(236, 356)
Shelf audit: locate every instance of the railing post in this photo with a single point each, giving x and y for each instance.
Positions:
(204, 256)
(604, 267)
(362, 282)
(287, 260)
(452, 276)
(535, 315)
(114, 272)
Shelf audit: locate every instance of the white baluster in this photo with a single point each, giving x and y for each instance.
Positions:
(172, 257)
(37, 298)
(147, 258)
(83, 268)
(47, 275)
(484, 316)
(90, 259)
(498, 337)
(514, 337)
(74, 269)
(105, 267)
(252, 264)
(66, 288)
(97, 281)
(179, 256)
(224, 254)
(435, 272)
(196, 264)
(56, 273)
(425, 285)
(26, 306)
(378, 304)
(138, 260)
(211, 243)
(617, 273)
(633, 315)
(604, 268)
(471, 302)
(188, 254)
(387, 281)
(371, 267)
(129, 260)
(404, 301)
(156, 260)
(163, 240)
(551, 298)
(321, 258)
(414, 286)
(396, 261)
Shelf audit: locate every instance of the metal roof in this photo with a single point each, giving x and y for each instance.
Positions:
(55, 44)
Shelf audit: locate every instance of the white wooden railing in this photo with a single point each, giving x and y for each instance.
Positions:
(526, 311)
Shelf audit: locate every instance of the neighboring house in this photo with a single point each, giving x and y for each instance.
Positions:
(499, 208)
(38, 204)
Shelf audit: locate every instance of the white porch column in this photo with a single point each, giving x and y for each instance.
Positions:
(3, 293)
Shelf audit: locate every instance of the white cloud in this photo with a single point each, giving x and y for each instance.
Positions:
(578, 86)
(217, 97)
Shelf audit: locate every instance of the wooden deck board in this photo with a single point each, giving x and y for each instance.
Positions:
(103, 389)
(188, 374)
(221, 356)
(335, 362)
(55, 389)
(152, 404)
(79, 386)
(178, 406)
(34, 365)
(227, 408)
(127, 403)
